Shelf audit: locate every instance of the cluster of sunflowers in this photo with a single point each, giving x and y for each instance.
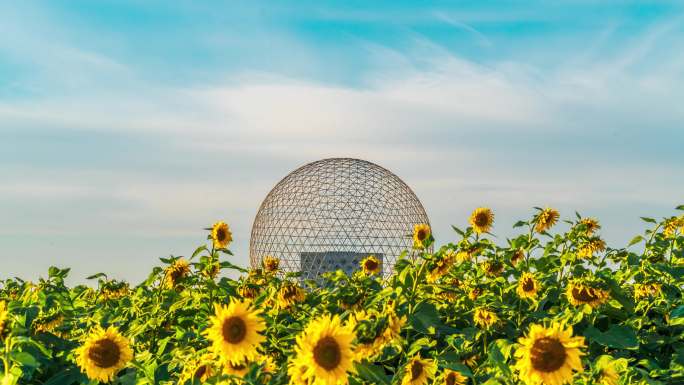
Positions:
(542, 309)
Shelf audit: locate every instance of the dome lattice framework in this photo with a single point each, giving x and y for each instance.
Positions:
(332, 213)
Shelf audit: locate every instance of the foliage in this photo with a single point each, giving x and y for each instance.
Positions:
(630, 313)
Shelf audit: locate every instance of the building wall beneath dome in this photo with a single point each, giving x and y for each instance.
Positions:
(313, 264)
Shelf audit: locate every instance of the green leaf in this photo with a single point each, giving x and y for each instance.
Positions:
(98, 275)
(680, 207)
(456, 229)
(425, 318)
(198, 250)
(24, 358)
(519, 224)
(617, 336)
(635, 240)
(649, 220)
(372, 373)
(677, 316)
(67, 376)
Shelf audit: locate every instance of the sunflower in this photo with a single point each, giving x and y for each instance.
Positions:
(271, 264)
(49, 323)
(297, 372)
(212, 270)
(493, 268)
(442, 266)
(670, 226)
(369, 328)
(3, 316)
(546, 219)
(197, 369)
(235, 331)
(289, 294)
(268, 364)
(590, 247)
(236, 369)
(395, 323)
(517, 256)
(645, 290)
(325, 349)
(370, 265)
(591, 225)
(178, 270)
(474, 293)
(607, 371)
(421, 232)
(482, 220)
(452, 377)
(579, 294)
(549, 355)
(104, 353)
(419, 371)
(463, 256)
(484, 318)
(527, 286)
(470, 361)
(221, 235)
(247, 291)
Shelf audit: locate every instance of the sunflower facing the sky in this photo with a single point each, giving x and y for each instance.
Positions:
(419, 371)
(452, 377)
(421, 232)
(485, 318)
(370, 265)
(549, 355)
(221, 235)
(527, 286)
(482, 220)
(104, 353)
(235, 331)
(325, 349)
(579, 294)
(546, 219)
(270, 264)
(178, 270)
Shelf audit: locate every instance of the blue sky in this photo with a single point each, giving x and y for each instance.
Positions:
(126, 127)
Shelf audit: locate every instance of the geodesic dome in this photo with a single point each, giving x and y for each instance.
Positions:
(332, 213)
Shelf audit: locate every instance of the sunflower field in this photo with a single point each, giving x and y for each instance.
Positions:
(546, 307)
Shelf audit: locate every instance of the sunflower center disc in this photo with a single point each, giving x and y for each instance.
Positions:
(371, 265)
(327, 353)
(451, 379)
(481, 220)
(221, 235)
(421, 235)
(547, 354)
(584, 294)
(104, 353)
(416, 370)
(528, 285)
(234, 330)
